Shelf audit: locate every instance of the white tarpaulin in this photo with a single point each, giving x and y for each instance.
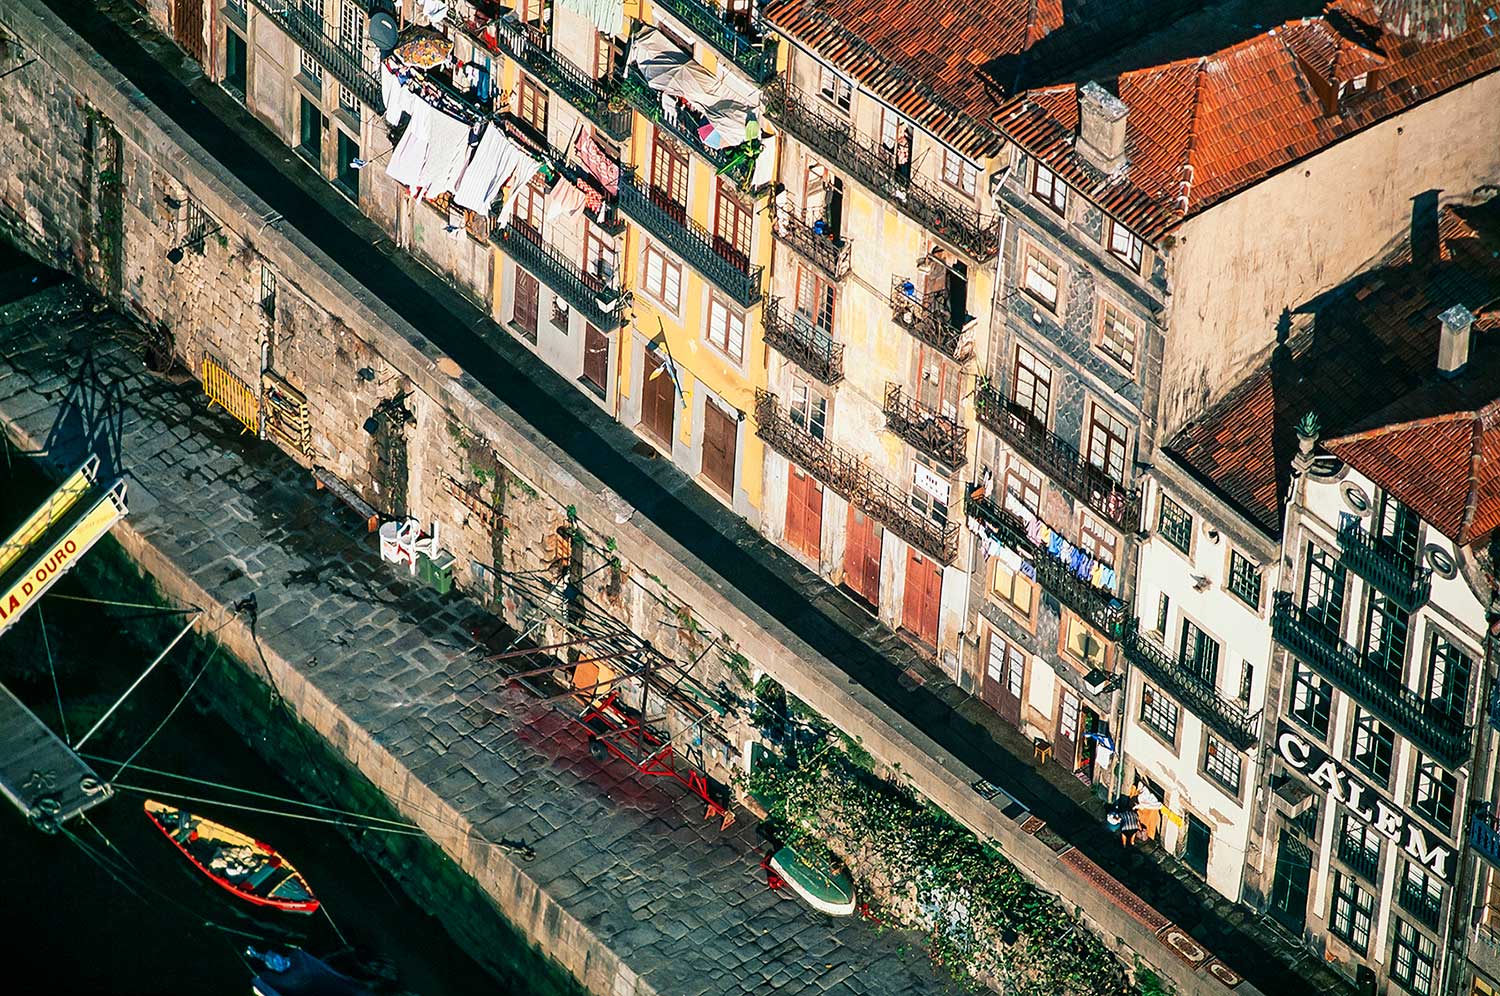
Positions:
(729, 103)
(606, 15)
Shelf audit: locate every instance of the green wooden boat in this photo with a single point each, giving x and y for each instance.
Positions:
(823, 887)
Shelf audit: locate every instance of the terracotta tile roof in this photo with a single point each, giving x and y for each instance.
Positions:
(1201, 129)
(1364, 358)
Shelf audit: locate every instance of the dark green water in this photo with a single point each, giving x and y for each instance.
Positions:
(152, 923)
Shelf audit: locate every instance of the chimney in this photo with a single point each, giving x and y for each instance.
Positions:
(1101, 127)
(1453, 340)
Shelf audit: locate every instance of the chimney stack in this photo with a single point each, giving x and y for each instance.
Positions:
(1101, 127)
(1453, 340)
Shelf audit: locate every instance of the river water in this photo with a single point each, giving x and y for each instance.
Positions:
(114, 908)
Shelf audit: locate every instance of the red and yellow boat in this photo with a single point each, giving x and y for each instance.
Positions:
(249, 868)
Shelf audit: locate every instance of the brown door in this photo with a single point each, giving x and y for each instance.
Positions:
(1004, 678)
(596, 359)
(187, 28)
(658, 399)
(862, 556)
(924, 588)
(527, 293)
(1065, 748)
(804, 514)
(719, 431)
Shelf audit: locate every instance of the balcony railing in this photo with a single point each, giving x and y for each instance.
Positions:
(350, 60)
(1100, 610)
(735, 163)
(1420, 903)
(1055, 458)
(596, 300)
(1438, 732)
(804, 344)
(1365, 861)
(756, 58)
(848, 476)
(1407, 584)
(828, 253)
(1201, 698)
(930, 319)
(597, 100)
(1484, 835)
(956, 223)
(670, 223)
(935, 434)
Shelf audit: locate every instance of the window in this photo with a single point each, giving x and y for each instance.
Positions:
(1163, 606)
(603, 55)
(1125, 246)
(1371, 747)
(1448, 672)
(1222, 763)
(1106, 443)
(1118, 333)
(1049, 188)
(1012, 587)
(309, 67)
(346, 176)
(1175, 524)
(809, 410)
(1323, 592)
(310, 131)
(816, 298)
(1385, 636)
(1096, 540)
(1033, 385)
(1159, 713)
(1421, 893)
(669, 176)
(726, 329)
(959, 173)
(731, 227)
(1433, 793)
(1081, 641)
(1359, 847)
(1199, 653)
(600, 260)
(531, 207)
(1024, 485)
(663, 277)
(834, 88)
(1353, 909)
(1312, 699)
(1039, 276)
(1395, 529)
(1413, 958)
(1244, 579)
(352, 28)
(348, 103)
(1247, 679)
(531, 105)
(930, 491)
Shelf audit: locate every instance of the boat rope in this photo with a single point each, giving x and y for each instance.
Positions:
(136, 684)
(170, 794)
(62, 717)
(329, 917)
(165, 609)
(177, 705)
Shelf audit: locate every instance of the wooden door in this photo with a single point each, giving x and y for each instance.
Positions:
(1004, 678)
(1065, 747)
(596, 359)
(719, 431)
(528, 291)
(924, 589)
(187, 28)
(804, 514)
(658, 400)
(862, 556)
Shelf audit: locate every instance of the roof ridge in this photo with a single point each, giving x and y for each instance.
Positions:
(1471, 500)
(1185, 183)
(1416, 423)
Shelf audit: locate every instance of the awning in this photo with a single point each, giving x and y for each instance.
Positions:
(731, 105)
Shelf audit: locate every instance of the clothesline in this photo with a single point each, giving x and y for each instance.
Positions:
(1041, 539)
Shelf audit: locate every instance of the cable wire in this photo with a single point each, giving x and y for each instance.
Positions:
(62, 717)
(177, 705)
(169, 794)
(165, 609)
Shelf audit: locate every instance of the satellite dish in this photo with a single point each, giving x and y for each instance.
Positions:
(383, 32)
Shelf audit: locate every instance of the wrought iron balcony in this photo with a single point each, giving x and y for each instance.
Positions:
(351, 61)
(848, 476)
(1098, 608)
(1408, 585)
(1365, 861)
(1420, 903)
(935, 434)
(1484, 835)
(595, 299)
(1201, 698)
(828, 253)
(1055, 458)
(756, 58)
(803, 343)
(735, 163)
(958, 224)
(597, 100)
(930, 319)
(1438, 732)
(670, 223)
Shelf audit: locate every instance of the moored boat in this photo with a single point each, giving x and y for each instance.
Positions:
(249, 868)
(294, 972)
(824, 886)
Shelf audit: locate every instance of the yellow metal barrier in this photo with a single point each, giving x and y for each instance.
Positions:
(231, 394)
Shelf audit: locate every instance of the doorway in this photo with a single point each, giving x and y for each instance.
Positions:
(234, 64)
(1195, 851)
(658, 399)
(595, 360)
(924, 590)
(1065, 748)
(528, 292)
(1004, 678)
(719, 431)
(1289, 883)
(862, 557)
(804, 514)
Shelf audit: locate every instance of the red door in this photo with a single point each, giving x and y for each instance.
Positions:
(804, 514)
(1004, 678)
(658, 400)
(924, 588)
(1065, 749)
(527, 293)
(187, 28)
(862, 556)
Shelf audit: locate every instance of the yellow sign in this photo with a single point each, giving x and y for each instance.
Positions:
(48, 515)
(58, 556)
